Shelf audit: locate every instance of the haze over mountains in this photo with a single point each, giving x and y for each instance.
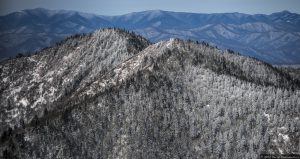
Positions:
(113, 94)
(273, 38)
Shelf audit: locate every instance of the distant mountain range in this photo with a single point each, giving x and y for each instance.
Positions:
(273, 38)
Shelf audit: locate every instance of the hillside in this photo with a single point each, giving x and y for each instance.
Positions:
(272, 38)
(172, 99)
(30, 84)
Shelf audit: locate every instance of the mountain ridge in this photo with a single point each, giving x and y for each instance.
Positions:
(223, 62)
(59, 71)
(272, 38)
(172, 99)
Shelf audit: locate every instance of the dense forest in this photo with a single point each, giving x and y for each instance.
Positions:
(126, 98)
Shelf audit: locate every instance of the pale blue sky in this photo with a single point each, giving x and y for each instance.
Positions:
(117, 7)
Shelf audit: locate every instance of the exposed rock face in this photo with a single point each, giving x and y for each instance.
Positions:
(116, 96)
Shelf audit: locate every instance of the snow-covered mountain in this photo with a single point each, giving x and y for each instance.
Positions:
(273, 38)
(29, 84)
(112, 94)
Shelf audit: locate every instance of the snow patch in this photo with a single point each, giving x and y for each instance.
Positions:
(52, 91)
(121, 73)
(102, 84)
(66, 80)
(16, 90)
(41, 88)
(50, 73)
(285, 137)
(35, 77)
(170, 43)
(150, 68)
(65, 58)
(31, 59)
(24, 102)
(50, 79)
(280, 151)
(282, 128)
(4, 79)
(90, 92)
(41, 100)
(267, 115)
(30, 86)
(27, 137)
(13, 114)
(16, 114)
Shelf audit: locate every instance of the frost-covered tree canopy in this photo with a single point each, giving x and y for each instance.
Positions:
(112, 94)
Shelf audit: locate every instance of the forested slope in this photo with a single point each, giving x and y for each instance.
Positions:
(29, 85)
(173, 99)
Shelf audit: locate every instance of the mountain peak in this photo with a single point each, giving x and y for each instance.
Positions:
(76, 60)
(282, 13)
(155, 11)
(105, 94)
(39, 10)
(285, 12)
(150, 13)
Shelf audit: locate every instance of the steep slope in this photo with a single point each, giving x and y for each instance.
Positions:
(174, 99)
(272, 38)
(28, 85)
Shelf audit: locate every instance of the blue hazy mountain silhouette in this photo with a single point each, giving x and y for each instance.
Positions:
(273, 38)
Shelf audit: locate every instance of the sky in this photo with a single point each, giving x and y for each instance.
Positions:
(118, 7)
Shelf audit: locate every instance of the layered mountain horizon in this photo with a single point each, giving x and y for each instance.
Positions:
(273, 38)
